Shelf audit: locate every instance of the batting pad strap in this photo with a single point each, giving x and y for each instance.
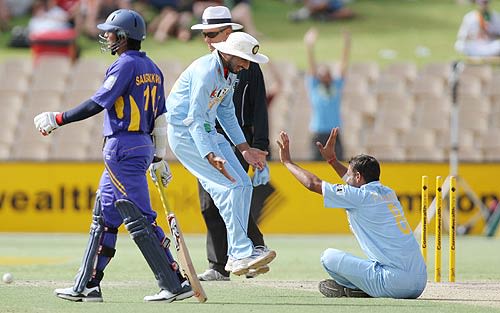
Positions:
(90, 257)
(111, 230)
(143, 235)
(165, 243)
(106, 251)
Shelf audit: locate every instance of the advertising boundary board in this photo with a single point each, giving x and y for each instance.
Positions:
(58, 197)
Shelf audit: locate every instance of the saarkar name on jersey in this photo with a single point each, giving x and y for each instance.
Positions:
(147, 78)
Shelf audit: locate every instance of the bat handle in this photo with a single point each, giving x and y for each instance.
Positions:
(161, 192)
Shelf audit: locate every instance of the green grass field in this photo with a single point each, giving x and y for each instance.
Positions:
(42, 262)
(399, 25)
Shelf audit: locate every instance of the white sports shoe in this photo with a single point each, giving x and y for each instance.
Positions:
(252, 273)
(87, 295)
(259, 258)
(229, 264)
(261, 248)
(167, 296)
(212, 275)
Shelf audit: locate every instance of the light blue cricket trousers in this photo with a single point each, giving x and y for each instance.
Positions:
(232, 198)
(375, 279)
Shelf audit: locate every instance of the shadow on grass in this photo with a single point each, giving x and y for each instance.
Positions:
(367, 304)
(459, 300)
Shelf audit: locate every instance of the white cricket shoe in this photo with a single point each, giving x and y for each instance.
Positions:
(262, 249)
(229, 264)
(212, 275)
(252, 273)
(259, 258)
(87, 295)
(167, 296)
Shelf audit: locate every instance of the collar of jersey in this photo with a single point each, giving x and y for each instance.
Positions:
(372, 183)
(134, 52)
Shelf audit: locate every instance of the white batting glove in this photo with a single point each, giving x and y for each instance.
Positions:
(46, 122)
(165, 174)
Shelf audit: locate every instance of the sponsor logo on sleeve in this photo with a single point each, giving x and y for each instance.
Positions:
(110, 82)
(339, 190)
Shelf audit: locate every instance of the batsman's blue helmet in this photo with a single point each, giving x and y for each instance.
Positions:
(125, 21)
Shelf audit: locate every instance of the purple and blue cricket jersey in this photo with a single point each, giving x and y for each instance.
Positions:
(133, 96)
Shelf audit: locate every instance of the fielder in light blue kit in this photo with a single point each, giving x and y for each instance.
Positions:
(395, 267)
(202, 93)
(133, 100)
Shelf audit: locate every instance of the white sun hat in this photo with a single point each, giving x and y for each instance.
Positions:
(214, 17)
(242, 45)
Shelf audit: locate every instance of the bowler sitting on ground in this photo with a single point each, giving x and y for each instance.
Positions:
(395, 267)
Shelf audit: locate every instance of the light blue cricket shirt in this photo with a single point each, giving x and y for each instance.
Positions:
(199, 96)
(377, 220)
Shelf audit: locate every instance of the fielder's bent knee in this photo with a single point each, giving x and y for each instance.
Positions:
(332, 253)
(331, 258)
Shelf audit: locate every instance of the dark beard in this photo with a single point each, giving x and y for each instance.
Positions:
(227, 64)
(231, 68)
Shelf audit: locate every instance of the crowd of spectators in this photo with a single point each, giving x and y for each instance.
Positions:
(322, 10)
(165, 18)
(477, 36)
(479, 32)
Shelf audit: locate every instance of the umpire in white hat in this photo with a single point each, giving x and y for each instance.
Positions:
(216, 17)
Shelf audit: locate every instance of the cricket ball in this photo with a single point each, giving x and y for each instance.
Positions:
(7, 278)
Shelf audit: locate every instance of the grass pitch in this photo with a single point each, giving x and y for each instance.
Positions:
(43, 262)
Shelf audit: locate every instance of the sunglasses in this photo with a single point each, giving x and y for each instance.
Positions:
(212, 34)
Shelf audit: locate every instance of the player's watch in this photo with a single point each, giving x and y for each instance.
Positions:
(156, 159)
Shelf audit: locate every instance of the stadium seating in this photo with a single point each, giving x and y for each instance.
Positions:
(421, 145)
(405, 70)
(369, 70)
(440, 71)
(491, 145)
(398, 113)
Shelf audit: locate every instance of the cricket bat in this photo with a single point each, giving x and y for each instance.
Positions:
(180, 244)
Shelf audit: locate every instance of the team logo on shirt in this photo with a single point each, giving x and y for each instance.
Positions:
(216, 96)
(110, 82)
(339, 190)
